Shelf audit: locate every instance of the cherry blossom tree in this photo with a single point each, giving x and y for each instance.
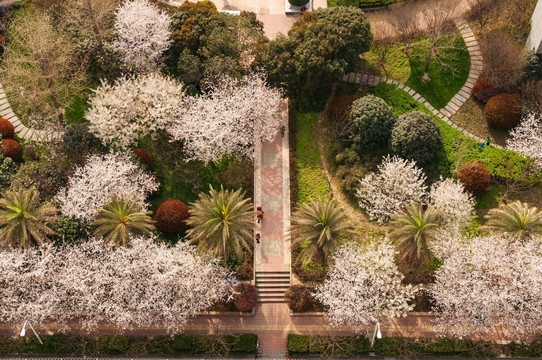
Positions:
(133, 107)
(363, 286)
(396, 184)
(229, 118)
(451, 199)
(147, 284)
(143, 34)
(526, 137)
(488, 284)
(93, 184)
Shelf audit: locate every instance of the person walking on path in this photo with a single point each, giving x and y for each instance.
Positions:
(282, 130)
(257, 238)
(260, 214)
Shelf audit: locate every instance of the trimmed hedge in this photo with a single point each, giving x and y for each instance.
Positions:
(400, 346)
(328, 345)
(171, 216)
(6, 127)
(475, 177)
(144, 157)
(64, 344)
(503, 111)
(246, 297)
(11, 148)
(298, 2)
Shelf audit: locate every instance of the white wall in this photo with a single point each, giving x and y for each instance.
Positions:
(534, 41)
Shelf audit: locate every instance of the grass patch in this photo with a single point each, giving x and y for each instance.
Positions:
(443, 83)
(396, 67)
(311, 180)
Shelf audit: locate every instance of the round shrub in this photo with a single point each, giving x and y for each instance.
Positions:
(503, 111)
(300, 299)
(246, 297)
(11, 148)
(143, 156)
(171, 215)
(298, 2)
(6, 129)
(47, 176)
(30, 152)
(69, 230)
(373, 122)
(474, 176)
(415, 136)
(78, 142)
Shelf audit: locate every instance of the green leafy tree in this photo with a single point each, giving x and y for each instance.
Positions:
(320, 224)
(321, 47)
(415, 228)
(517, 219)
(23, 220)
(222, 221)
(121, 219)
(373, 120)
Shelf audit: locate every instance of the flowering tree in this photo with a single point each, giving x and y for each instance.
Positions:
(143, 34)
(397, 183)
(229, 119)
(93, 184)
(451, 199)
(146, 284)
(363, 286)
(526, 137)
(488, 284)
(133, 107)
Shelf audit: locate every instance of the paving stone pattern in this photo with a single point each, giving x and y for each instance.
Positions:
(458, 100)
(22, 131)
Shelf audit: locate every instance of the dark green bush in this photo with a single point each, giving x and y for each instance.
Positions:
(69, 230)
(78, 142)
(298, 2)
(525, 349)
(373, 120)
(397, 346)
(64, 344)
(298, 344)
(415, 136)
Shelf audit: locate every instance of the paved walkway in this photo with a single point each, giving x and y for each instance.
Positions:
(22, 131)
(458, 100)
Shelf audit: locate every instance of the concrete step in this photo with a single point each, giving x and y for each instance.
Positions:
(271, 285)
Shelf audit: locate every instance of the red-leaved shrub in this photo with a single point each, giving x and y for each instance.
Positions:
(6, 129)
(300, 299)
(246, 297)
(481, 84)
(171, 215)
(143, 156)
(475, 177)
(503, 111)
(11, 148)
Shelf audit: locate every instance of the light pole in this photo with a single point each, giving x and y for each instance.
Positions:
(376, 335)
(23, 331)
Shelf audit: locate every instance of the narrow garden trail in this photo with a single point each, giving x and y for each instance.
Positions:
(357, 217)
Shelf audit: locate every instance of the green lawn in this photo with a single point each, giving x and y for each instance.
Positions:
(311, 180)
(396, 67)
(443, 83)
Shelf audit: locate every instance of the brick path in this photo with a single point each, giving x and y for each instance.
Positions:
(21, 130)
(458, 100)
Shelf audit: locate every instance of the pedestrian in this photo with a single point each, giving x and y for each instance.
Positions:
(257, 238)
(282, 130)
(260, 214)
(303, 9)
(488, 141)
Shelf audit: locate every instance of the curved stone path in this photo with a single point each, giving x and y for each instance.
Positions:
(458, 100)
(22, 131)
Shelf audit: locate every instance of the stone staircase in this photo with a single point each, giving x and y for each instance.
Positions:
(271, 285)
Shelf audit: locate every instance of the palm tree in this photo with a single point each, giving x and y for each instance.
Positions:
(120, 219)
(415, 228)
(516, 218)
(23, 220)
(320, 225)
(221, 221)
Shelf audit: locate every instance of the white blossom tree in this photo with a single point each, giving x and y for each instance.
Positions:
(132, 107)
(93, 184)
(142, 35)
(363, 286)
(526, 137)
(229, 119)
(396, 184)
(453, 201)
(147, 284)
(488, 284)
